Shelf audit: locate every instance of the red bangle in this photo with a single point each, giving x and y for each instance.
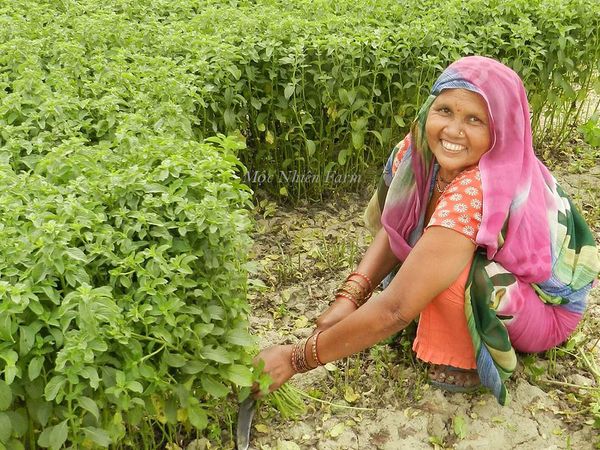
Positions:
(347, 297)
(351, 289)
(364, 277)
(359, 284)
(314, 350)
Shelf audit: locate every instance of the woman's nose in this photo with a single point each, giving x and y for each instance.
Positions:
(455, 128)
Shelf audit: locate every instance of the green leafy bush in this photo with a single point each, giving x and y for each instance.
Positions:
(122, 289)
(315, 86)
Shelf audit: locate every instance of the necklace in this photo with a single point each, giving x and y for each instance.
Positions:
(437, 186)
(437, 183)
(445, 181)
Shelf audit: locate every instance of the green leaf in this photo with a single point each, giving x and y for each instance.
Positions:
(59, 265)
(214, 387)
(233, 70)
(343, 95)
(91, 374)
(40, 410)
(26, 339)
(19, 421)
(10, 370)
(289, 91)
(14, 444)
(337, 429)
(5, 396)
(98, 435)
(240, 375)
(90, 406)
(175, 360)
(342, 157)
(256, 103)
(171, 410)
(217, 354)
(54, 437)
(135, 386)
(35, 367)
(6, 327)
(10, 373)
(358, 139)
(76, 254)
(460, 427)
(5, 428)
(229, 118)
(399, 120)
(53, 387)
(193, 367)
(198, 417)
(310, 147)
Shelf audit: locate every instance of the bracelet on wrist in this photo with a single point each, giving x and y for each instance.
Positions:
(364, 277)
(299, 360)
(315, 350)
(347, 297)
(355, 291)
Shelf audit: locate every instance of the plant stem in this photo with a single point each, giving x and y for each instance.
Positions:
(572, 385)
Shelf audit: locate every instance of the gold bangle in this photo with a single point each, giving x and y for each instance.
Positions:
(364, 277)
(314, 350)
(347, 297)
(351, 289)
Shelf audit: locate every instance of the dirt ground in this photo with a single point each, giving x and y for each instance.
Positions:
(380, 399)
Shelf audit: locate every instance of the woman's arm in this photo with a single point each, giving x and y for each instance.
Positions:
(377, 262)
(433, 265)
(379, 259)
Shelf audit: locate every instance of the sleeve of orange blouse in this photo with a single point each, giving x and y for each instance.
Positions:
(461, 205)
(396, 157)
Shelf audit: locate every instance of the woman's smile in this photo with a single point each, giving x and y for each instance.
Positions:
(451, 147)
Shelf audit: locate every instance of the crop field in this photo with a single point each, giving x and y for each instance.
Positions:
(144, 146)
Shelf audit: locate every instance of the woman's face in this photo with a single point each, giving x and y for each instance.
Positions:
(458, 130)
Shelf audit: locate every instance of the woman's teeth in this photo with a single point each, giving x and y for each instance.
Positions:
(453, 147)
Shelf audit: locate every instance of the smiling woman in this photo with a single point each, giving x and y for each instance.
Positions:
(490, 253)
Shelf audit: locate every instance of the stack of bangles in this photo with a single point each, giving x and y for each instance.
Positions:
(352, 290)
(355, 291)
(299, 360)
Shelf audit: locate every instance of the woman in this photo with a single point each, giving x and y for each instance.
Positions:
(492, 255)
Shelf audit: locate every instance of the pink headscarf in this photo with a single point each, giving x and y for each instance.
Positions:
(517, 187)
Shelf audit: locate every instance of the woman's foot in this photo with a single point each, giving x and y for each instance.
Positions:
(453, 379)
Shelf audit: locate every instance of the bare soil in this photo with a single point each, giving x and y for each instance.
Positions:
(303, 253)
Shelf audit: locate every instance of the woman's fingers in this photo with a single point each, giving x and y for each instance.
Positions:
(277, 364)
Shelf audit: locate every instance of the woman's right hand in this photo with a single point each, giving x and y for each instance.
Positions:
(277, 364)
(338, 310)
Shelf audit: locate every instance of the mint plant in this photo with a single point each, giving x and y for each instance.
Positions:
(123, 283)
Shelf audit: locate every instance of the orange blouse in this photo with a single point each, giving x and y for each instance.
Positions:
(461, 204)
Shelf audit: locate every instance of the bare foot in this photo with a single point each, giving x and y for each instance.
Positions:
(449, 376)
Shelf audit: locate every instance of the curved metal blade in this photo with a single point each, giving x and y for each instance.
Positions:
(244, 423)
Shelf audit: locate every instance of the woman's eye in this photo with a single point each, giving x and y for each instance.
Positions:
(474, 119)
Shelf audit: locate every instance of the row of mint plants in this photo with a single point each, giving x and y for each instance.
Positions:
(122, 294)
(316, 87)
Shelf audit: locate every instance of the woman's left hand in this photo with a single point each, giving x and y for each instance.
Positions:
(278, 364)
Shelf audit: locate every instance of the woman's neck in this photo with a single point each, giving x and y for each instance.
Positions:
(447, 175)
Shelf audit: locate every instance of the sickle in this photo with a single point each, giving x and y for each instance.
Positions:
(244, 422)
